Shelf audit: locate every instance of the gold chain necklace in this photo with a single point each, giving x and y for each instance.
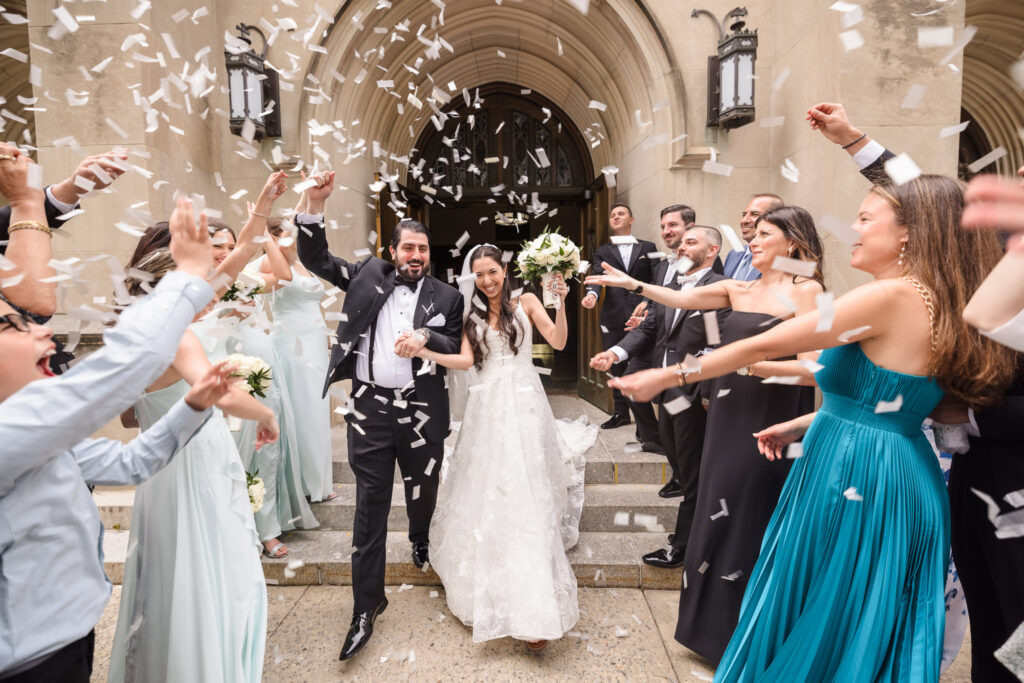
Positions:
(927, 296)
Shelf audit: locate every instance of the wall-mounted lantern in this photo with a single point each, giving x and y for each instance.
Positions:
(254, 94)
(731, 72)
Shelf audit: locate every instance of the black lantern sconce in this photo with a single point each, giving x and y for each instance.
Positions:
(252, 88)
(731, 72)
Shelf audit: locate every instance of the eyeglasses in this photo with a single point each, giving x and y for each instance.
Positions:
(16, 321)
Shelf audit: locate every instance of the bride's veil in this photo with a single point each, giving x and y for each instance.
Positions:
(459, 381)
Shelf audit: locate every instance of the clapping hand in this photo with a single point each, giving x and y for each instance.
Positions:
(212, 387)
(190, 244)
(612, 277)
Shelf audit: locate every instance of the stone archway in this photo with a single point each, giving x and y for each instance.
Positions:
(990, 96)
(15, 88)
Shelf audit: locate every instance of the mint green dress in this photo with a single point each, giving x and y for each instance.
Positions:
(299, 338)
(849, 585)
(193, 598)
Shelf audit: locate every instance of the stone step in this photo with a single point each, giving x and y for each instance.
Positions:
(621, 468)
(604, 505)
(600, 559)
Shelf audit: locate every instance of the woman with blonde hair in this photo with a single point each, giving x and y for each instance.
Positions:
(850, 580)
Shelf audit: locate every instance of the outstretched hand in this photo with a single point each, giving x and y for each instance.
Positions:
(101, 170)
(604, 361)
(643, 386)
(612, 277)
(995, 202)
(190, 244)
(212, 387)
(830, 118)
(772, 442)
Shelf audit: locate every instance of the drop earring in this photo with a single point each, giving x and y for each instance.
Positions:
(903, 252)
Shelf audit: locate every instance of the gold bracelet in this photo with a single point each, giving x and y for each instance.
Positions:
(681, 374)
(30, 225)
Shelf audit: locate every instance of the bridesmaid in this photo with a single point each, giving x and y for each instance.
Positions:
(299, 337)
(738, 488)
(850, 580)
(194, 601)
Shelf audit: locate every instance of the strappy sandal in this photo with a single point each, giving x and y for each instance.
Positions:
(276, 553)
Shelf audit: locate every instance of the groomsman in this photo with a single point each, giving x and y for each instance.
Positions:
(737, 263)
(399, 408)
(674, 334)
(629, 255)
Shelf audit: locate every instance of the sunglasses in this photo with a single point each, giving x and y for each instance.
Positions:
(16, 321)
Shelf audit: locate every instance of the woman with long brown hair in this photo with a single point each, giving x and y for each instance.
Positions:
(738, 489)
(850, 580)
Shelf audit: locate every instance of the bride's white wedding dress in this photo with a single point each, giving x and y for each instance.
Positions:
(509, 503)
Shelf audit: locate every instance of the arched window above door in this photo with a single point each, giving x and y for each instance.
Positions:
(505, 138)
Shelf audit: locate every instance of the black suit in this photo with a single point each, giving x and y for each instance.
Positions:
(617, 307)
(991, 569)
(387, 424)
(5, 220)
(671, 338)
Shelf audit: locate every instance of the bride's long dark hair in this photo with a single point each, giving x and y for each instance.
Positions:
(509, 327)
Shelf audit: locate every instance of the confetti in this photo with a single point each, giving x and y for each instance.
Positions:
(795, 450)
(825, 303)
(847, 336)
(851, 39)
(889, 406)
(902, 169)
(991, 157)
(621, 519)
(950, 131)
(914, 97)
(711, 328)
(935, 36)
(851, 494)
(724, 512)
(676, 405)
(716, 168)
(794, 266)
(790, 172)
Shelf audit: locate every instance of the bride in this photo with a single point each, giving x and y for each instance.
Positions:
(511, 494)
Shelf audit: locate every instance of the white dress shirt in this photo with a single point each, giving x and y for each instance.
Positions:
(685, 282)
(396, 316)
(625, 251)
(53, 588)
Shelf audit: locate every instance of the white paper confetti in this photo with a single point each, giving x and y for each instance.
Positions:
(851, 494)
(889, 406)
(851, 39)
(794, 266)
(935, 36)
(902, 169)
(991, 157)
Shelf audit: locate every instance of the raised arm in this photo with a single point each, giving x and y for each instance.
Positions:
(311, 239)
(868, 308)
(49, 416)
(830, 118)
(245, 248)
(274, 269)
(28, 244)
(106, 462)
(555, 332)
(709, 297)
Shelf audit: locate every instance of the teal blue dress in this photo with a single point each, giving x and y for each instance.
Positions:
(849, 585)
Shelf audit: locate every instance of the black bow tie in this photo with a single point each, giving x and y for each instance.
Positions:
(400, 281)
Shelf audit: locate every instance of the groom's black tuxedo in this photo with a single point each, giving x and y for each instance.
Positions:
(368, 284)
(387, 424)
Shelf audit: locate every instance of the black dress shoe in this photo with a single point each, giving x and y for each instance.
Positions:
(616, 420)
(652, 447)
(420, 554)
(360, 631)
(671, 538)
(666, 558)
(671, 490)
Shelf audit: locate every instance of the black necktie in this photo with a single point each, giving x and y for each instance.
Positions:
(400, 281)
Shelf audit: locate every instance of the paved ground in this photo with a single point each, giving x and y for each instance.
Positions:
(623, 634)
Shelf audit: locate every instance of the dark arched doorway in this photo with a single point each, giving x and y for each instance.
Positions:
(501, 150)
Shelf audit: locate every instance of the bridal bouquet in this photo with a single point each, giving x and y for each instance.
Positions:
(545, 255)
(241, 291)
(256, 490)
(255, 371)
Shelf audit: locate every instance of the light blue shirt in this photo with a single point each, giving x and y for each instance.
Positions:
(52, 585)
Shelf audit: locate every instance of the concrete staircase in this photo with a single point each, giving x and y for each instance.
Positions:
(623, 518)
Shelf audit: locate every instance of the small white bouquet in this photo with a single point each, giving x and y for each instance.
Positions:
(245, 291)
(545, 255)
(255, 371)
(256, 490)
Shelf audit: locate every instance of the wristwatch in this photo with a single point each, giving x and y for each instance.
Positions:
(639, 289)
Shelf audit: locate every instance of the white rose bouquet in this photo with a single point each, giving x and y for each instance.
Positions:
(256, 490)
(545, 255)
(255, 371)
(245, 291)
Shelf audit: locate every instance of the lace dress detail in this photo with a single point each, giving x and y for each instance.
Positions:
(509, 502)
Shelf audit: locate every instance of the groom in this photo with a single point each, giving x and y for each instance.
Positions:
(400, 404)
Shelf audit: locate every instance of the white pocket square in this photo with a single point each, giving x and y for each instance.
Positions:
(436, 321)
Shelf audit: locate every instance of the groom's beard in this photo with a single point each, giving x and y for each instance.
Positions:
(413, 276)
